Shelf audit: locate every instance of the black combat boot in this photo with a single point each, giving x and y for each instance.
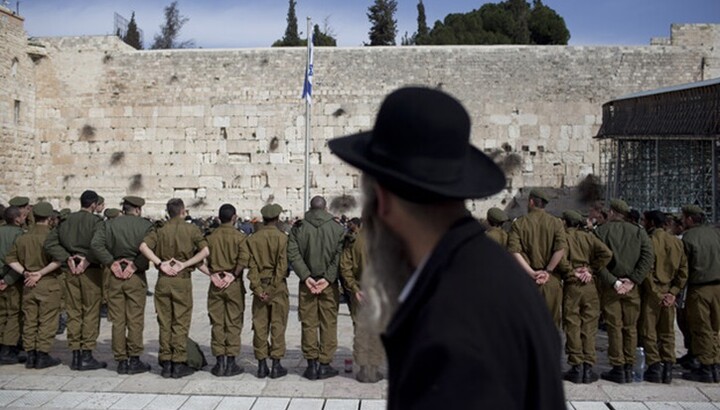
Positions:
(31, 359)
(616, 374)
(75, 363)
(8, 355)
(44, 360)
(232, 368)
(574, 375)
(62, 324)
(628, 373)
(88, 362)
(326, 371)
(263, 370)
(654, 373)
(122, 366)
(277, 370)
(589, 376)
(703, 375)
(136, 366)
(220, 366)
(311, 373)
(689, 362)
(181, 369)
(667, 372)
(166, 366)
(716, 373)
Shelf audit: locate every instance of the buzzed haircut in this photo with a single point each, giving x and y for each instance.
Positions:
(175, 207)
(658, 218)
(10, 214)
(318, 202)
(226, 213)
(88, 198)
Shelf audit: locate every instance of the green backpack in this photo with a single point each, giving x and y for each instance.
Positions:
(195, 356)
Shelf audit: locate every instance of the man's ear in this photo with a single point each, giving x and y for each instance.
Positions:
(385, 202)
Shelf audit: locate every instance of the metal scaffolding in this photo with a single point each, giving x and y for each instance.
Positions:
(659, 149)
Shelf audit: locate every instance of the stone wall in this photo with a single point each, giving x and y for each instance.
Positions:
(214, 126)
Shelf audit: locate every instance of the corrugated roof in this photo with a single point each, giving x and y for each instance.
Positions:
(669, 89)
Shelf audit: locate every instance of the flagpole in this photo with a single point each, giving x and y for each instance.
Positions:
(307, 125)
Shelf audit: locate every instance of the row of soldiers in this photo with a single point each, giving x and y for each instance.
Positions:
(42, 264)
(635, 274)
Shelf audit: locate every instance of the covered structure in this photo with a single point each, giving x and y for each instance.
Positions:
(659, 149)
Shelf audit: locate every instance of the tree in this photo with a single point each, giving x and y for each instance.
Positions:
(291, 37)
(546, 26)
(132, 35)
(384, 26)
(170, 31)
(519, 9)
(325, 37)
(421, 37)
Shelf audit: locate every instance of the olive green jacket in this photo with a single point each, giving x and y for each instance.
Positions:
(28, 249)
(537, 236)
(314, 246)
(120, 238)
(702, 247)
(73, 237)
(352, 262)
(227, 249)
(8, 235)
(176, 239)
(584, 250)
(631, 248)
(268, 260)
(670, 270)
(498, 235)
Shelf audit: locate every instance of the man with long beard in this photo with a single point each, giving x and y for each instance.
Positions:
(466, 327)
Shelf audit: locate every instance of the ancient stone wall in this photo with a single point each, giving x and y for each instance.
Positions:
(214, 126)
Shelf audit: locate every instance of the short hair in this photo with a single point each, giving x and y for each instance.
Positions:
(634, 215)
(127, 207)
(696, 218)
(658, 218)
(11, 213)
(318, 202)
(226, 213)
(175, 207)
(88, 198)
(538, 202)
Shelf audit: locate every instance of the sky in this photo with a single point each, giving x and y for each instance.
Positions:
(245, 23)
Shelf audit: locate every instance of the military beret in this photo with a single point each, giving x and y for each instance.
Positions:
(271, 211)
(693, 210)
(573, 217)
(111, 213)
(538, 193)
(65, 212)
(496, 215)
(134, 201)
(19, 201)
(43, 210)
(618, 205)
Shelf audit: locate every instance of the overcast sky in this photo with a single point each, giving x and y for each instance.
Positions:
(244, 23)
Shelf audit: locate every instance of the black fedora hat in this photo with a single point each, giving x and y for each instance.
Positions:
(420, 149)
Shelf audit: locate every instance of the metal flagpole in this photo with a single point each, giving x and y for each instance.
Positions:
(307, 118)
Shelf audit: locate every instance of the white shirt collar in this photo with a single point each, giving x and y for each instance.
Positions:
(411, 282)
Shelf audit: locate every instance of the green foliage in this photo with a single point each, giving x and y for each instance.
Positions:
(383, 24)
(506, 22)
(323, 38)
(291, 37)
(132, 36)
(170, 31)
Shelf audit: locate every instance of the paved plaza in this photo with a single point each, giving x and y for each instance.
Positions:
(59, 387)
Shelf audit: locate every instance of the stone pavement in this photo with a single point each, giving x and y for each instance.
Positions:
(59, 387)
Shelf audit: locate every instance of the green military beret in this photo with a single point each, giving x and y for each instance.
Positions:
(618, 205)
(134, 201)
(693, 210)
(496, 215)
(573, 217)
(19, 201)
(271, 211)
(43, 210)
(65, 212)
(539, 193)
(111, 213)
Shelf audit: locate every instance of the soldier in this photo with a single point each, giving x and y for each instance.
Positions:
(496, 217)
(11, 284)
(314, 248)
(108, 213)
(538, 242)
(99, 210)
(702, 247)
(69, 243)
(175, 248)
(659, 290)
(226, 293)
(41, 296)
(586, 255)
(620, 295)
(268, 283)
(115, 244)
(23, 203)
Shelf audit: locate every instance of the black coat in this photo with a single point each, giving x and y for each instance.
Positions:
(474, 333)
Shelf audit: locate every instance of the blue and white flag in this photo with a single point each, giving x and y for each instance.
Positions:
(307, 87)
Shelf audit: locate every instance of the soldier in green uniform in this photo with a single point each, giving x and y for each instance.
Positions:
(226, 292)
(115, 244)
(11, 284)
(41, 295)
(69, 243)
(23, 203)
(620, 293)
(175, 248)
(268, 283)
(659, 290)
(496, 217)
(538, 243)
(314, 248)
(108, 213)
(702, 247)
(586, 256)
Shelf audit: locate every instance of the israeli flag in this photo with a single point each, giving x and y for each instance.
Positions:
(307, 87)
